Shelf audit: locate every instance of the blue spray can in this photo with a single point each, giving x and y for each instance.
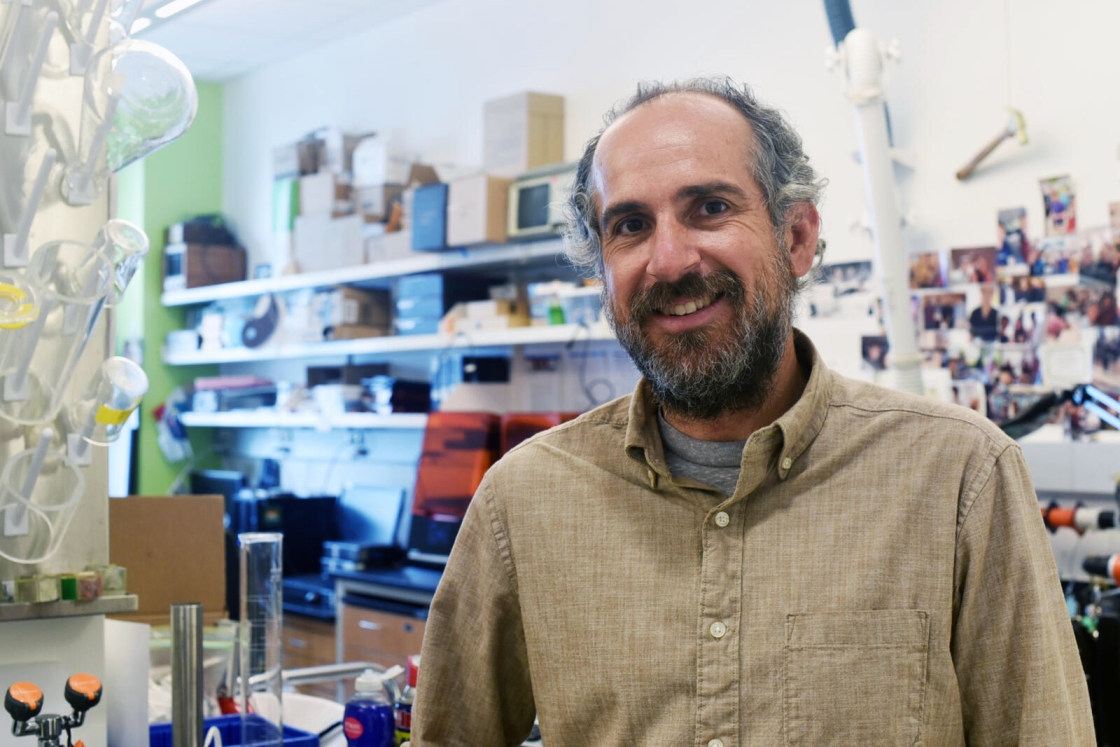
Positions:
(368, 718)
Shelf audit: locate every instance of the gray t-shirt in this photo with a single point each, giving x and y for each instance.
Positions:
(715, 463)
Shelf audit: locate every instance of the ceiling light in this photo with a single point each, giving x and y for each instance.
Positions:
(139, 25)
(173, 7)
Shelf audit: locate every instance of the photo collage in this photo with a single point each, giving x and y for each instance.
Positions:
(1002, 324)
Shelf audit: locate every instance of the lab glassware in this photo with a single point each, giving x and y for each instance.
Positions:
(260, 638)
(73, 281)
(99, 416)
(39, 491)
(125, 245)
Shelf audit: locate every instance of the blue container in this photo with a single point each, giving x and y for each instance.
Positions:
(230, 729)
(369, 722)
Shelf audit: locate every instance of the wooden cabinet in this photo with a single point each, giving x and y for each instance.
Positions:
(309, 642)
(381, 637)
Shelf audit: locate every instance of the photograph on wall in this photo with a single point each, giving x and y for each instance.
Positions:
(976, 265)
(1082, 306)
(944, 311)
(969, 393)
(1100, 257)
(1021, 324)
(1059, 203)
(843, 290)
(927, 270)
(1023, 289)
(1012, 237)
(874, 349)
(984, 320)
(1106, 358)
(1058, 258)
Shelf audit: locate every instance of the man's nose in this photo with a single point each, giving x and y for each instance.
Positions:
(673, 252)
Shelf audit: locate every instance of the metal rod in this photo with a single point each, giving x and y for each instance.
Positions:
(328, 672)
(186, 675)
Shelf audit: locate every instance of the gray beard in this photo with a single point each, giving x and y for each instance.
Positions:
(701, 374)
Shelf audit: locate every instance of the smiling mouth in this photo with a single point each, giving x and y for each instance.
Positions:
(691, 306)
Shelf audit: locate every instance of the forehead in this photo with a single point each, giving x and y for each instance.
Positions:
(670, 141)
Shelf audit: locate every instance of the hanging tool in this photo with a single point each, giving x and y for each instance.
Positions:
(24, 702)
(1016, 128)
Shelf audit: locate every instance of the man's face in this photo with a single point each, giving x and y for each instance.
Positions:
(697, 285)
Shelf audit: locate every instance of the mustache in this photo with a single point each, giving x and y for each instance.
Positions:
(649, 301)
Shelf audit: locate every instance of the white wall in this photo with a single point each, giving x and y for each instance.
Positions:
(424, 78)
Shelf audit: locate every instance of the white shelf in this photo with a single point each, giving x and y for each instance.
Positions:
(274, 419)
(451, 259)
(65, 608)
(392, 344)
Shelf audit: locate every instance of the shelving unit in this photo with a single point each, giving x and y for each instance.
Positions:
(378, 273)
(65, 608)
(272, 419)
(561, 333)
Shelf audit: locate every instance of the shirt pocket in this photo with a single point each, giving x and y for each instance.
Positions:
(855, 677)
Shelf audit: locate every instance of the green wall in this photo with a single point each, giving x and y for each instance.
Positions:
(179, 181)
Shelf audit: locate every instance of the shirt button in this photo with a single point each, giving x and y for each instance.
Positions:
(717, 630)
(722, 519)
(787, 463)
(715, 743)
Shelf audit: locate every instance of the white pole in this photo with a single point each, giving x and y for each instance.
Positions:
(865, 91)
(95, 21)
(36, 463)
(23, 108)
(15, 250)
(79, 184)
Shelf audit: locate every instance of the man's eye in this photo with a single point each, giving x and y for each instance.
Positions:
(713, 207)
(630, 225)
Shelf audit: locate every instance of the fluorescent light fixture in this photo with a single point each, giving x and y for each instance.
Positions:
(139, 25)
(173, 7)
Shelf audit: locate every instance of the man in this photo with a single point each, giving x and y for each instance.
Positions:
(749, 549)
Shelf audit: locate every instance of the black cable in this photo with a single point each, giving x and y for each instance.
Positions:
(584, 384)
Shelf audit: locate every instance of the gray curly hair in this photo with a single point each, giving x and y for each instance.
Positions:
(780, 166)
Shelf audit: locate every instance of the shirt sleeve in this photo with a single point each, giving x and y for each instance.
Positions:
(1019, 673)
(474, 688)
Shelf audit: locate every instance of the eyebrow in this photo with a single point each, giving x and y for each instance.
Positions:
(691, 192)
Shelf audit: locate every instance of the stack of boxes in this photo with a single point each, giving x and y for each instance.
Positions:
(422, 300)
(522, 132)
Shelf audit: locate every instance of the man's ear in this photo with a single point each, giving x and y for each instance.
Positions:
(803, 232)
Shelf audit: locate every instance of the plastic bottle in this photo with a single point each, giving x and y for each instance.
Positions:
(368, 718)
(403, 706)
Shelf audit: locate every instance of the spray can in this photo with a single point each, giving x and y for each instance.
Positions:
(368, 718)
(403, 706)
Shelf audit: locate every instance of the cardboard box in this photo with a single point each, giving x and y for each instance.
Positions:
(429, 218)
(324, 243)
(196, 265)
(344, 305)
(523, 132)
(476, 210)
(353, 332)
(479, 309)
(387, 246)
(296, 159)
(374, 162)
(338, 149)
(324, 194)
(373, 202)
(174, 550)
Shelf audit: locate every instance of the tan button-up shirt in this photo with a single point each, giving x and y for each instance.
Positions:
(880, 576)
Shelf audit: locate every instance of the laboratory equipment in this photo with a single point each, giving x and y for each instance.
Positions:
(85, 22)
(73, 281)
(260, 638)
(17, 111)
(186, 675)
(125, 245)
(24, 703)
(368, 720)
(39, 491)
(137, 98)
(99, 416)
(15, 244)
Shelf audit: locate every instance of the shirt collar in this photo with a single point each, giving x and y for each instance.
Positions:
(798, 426)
